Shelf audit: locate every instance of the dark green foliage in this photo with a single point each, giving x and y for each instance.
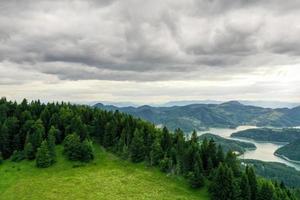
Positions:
(252, 182)
(137, 153)
(51, 143)
(18, 156)
(268, 134)
(245, 191)
(4, 142)
(156, 153)
(43, 158)
(290, 151)
(266, 191)
(29, 151)
(232, 161)
(196, 177)
(35, 128)
(223, 185)
(1, 158)
(165, 164)
(76, 150)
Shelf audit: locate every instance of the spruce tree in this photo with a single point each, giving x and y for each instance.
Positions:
(4, 142)
(43, 158)
(252, 182)
(245, 193)
(223, 185)
(137, 153)
(156, 153)
(29, 151)
(196, 177)
(51, 143)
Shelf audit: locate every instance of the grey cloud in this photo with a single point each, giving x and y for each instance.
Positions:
(147, 40)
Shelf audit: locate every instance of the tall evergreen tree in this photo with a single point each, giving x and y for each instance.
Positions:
(51, 143)
(29, 151)
(43, 158)
(252, 182)
(245, 188)
(223, 185)
(137, 153)
(4, 142)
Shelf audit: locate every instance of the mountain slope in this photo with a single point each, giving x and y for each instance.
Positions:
(270, 135)
(106, 178)
(201, 116)
(290, 151)
(229, 145)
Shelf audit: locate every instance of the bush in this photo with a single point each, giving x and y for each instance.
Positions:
(76, 150)
(18, 156)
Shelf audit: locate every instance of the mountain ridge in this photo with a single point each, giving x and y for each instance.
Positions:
(202, 116)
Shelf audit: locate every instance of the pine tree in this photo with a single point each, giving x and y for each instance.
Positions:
(4, 141)
(245, 188)
(156, 153)
(266, 191)
(29, 151)
(233, 163)
(252, 182)
(137, 153)
(43, 158)
(196, 177)
(51, 143)
(87, 151)
(166, 140)
(223, 185)
(220, 154)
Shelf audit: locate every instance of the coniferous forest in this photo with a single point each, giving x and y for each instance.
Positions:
(31, 130)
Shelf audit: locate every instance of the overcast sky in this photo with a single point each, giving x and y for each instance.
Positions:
(150, 51)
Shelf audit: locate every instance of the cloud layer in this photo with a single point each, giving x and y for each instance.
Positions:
(114, 41)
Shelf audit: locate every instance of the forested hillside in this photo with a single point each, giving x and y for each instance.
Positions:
(290, 151)
(201, 116)
(229, 145)
(31, 131)
(270, 135)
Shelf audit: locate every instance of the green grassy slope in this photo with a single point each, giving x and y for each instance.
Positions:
(107, 177)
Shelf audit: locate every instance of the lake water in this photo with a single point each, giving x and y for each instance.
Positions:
(264, 151)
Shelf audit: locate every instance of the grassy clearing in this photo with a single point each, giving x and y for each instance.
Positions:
(107, 177)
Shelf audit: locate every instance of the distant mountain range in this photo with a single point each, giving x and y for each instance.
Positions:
(264, 104)
(202, 116)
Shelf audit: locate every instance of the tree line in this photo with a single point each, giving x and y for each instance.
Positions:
(31, 131)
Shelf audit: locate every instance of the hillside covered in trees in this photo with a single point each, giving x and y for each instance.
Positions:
(202, 116)
(32, 131)
(290, 151)
(270, 134)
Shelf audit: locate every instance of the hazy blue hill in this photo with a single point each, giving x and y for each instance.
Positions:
(290, 151)
(200, 116)
(276, 171)
(268, 134)
(229, 145)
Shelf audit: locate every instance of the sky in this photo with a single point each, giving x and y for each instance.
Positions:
(150, 51)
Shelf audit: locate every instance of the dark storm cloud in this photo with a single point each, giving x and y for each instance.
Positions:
(148, 40)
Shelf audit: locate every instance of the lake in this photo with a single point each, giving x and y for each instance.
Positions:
(264, 152)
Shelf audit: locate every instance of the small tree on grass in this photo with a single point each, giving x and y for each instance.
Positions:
(76, 150)
(43, 158)
(51, 144)
(29, 151)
